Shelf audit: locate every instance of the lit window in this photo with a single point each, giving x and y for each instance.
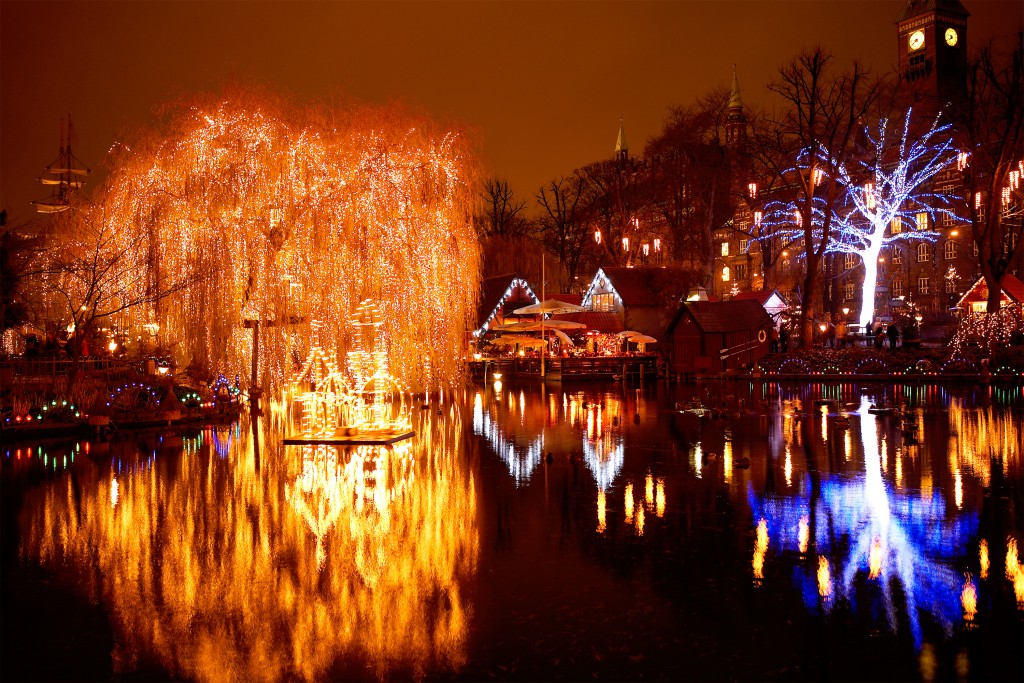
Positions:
(725, 274)
(950, 250)
(948, 220)
(850, 261)
(744, 246)
(922, 253)
(603, 302)
(922, 220)
(897, 288)
(849, 291)
(922, 284)
(725, 248)
(896, 226)
(897, 255)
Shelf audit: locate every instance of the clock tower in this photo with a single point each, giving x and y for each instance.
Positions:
(932, 49)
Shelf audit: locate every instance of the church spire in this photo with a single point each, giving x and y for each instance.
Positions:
(735, 119)
(621, 146)
(734, 99)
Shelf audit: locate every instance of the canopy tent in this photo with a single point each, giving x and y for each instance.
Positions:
(513, 340)
(550, 306)
(517, 326)
(535, 325)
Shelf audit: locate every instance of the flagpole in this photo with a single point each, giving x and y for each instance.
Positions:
(543, 349)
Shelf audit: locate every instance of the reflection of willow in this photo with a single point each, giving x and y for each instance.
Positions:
(520, 459)
(887, 537)
(211, 572)
(979, 434)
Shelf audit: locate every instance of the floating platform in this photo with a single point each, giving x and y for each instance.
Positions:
(349, 440)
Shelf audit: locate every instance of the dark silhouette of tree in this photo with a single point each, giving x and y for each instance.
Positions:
(990, 129)
(19, 253)
(563, 224)
(690, 175)
(501, 213)
(618, 205)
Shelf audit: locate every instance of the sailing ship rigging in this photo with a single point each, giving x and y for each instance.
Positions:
(64, 175)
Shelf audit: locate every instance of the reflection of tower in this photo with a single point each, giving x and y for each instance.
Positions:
(317, 493)
(365, 482)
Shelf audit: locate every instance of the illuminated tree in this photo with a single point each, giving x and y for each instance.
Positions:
(820, 130)
(891, 186)
(94, 273)
(291, 216)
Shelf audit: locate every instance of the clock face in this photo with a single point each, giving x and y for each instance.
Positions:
(951, 37)
(916, 40)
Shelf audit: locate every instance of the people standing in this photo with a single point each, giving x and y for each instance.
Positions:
(894, 335)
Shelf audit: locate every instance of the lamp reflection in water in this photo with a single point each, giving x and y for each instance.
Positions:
(274, 572)
(862, 527)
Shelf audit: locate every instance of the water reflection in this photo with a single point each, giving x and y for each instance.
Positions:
(520, 454)
(873, 533)
(219, 568)
(842, 540)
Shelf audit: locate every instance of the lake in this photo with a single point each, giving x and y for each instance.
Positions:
(535, 532)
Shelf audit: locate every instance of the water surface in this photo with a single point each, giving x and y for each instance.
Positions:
(530, 532)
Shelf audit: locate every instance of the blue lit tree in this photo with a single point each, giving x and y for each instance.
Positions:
(889, 184)
(893, 186)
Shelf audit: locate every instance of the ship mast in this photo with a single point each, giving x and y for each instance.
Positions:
(64, 175)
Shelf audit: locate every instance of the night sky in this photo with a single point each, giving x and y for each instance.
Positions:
(543, 83)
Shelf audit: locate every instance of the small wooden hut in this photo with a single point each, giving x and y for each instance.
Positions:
(709, 337)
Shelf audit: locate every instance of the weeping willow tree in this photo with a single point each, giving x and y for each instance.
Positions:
(290, 216)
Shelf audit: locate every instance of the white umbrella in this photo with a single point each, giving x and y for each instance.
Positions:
(641, 339)
(550, 306)
(564, 337)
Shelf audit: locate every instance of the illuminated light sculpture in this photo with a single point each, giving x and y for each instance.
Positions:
(363, 405)
(294, 214)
